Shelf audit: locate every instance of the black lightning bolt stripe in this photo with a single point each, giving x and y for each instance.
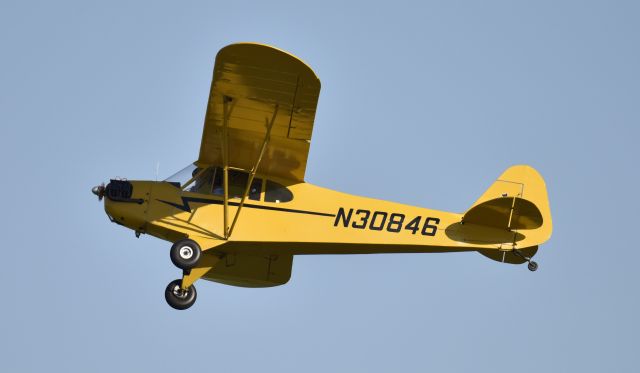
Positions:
(186, 207)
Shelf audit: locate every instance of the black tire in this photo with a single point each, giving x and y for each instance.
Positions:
(180, 299)
(533, 266)
(185, 254)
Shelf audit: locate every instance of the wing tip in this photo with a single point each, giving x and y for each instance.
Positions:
(266, 47)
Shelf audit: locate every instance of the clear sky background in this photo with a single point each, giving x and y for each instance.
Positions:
(423, 103)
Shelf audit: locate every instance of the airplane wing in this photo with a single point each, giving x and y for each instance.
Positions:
(256, 88)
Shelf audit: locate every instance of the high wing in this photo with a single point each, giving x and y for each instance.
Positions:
(260, 88)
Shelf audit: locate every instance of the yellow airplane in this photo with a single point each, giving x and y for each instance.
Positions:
(241, 212)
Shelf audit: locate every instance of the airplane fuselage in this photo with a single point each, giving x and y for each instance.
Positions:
(315, 221)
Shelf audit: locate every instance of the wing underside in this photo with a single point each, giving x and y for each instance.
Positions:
(254, 87)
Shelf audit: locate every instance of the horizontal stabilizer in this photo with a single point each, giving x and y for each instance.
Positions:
(510, 256)
(505, 213)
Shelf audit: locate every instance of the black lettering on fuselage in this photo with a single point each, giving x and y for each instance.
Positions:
(346, 218)
(384, 221)
(363, 219)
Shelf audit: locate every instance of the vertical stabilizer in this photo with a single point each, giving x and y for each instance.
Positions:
(516, 201)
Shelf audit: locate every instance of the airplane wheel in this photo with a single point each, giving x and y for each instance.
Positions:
(533, 266)
(178, 298)
(185, 254)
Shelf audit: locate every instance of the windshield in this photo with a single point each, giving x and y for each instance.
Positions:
(184, 175)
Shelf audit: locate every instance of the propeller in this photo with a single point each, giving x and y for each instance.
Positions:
(98, 191)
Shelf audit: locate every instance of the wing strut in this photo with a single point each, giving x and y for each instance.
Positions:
(254, 169)
(225, 159)
(225, 152)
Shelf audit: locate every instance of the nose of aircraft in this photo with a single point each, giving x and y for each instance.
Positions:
(125, 202)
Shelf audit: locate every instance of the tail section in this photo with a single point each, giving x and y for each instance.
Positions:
(518, 202)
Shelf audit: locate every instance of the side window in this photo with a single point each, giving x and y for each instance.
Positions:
(277, 193)
(203, 183)
(237, 182)
(217, 182)
(256, 189)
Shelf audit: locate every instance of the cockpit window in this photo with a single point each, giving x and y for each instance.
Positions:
(210, 181)
(277, 193)
(181, 177)
(237, 183)
(202, 182)
(256, 189)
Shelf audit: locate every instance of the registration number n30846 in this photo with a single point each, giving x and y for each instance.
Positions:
(382, 220)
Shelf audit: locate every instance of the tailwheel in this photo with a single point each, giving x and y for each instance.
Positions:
(180, 298)
(533, 266)
(185, 254)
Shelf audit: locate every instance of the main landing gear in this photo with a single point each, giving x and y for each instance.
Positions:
(533, 266)
(184, 254)
(180, 298)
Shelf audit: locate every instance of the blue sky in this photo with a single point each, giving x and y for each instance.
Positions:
(422, 103)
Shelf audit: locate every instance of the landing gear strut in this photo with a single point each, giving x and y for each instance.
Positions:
(180, 298)
(533, 266)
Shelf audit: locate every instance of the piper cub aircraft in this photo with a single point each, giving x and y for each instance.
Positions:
(242, 210)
